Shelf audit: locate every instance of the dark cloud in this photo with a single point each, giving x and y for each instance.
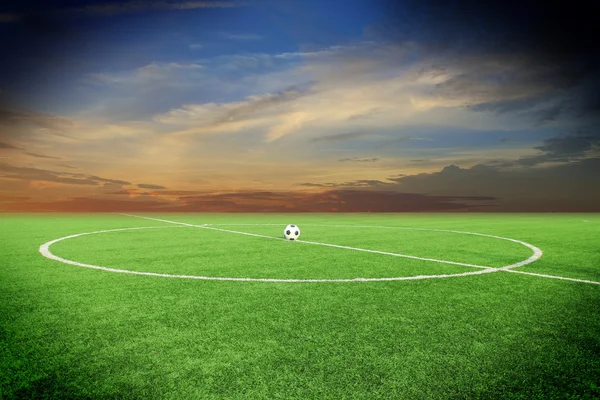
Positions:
(29, 11)
(512, 56)
(8, 146)
(567, 187)
(236, 196)
(25, 119)
(150, 186)
(528, 107)
(568, 145)
(43, 156)
(557, 149)
(112, 181)
(36, 174)
(359, 159)
(67, 166)
(123, 192)
(556, 30)
(360, 183)
(178, 192)
(164, 193)
(338, 137)
(328, 201)
(86, 204)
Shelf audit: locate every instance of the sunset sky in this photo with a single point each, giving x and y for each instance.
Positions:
(299, 105)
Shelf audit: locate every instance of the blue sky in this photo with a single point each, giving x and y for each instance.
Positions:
(217, 96)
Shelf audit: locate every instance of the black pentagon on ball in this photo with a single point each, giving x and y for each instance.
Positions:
(292, 226)
(287, 232)
(297, 233)
(291, 238)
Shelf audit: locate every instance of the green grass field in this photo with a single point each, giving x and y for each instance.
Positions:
(69, 332)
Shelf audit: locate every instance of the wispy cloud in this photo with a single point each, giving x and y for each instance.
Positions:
(338, 137)
(137, 6)
(8, 146)
(36, 174)
(128, 7)
(43, 156)
(27, 123)
(241, 36)
(359, 159)
(150, 186)
(360, 183)
(67, 166)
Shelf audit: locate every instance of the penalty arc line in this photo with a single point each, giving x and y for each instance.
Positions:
(206, 226)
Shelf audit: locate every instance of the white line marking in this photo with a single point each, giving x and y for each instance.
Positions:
(162, 220)
(396, 254)
(537, 253)
(553, 277)
(205, 226)
(45, 251)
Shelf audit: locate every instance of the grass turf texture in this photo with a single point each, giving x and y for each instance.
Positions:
(71, 332)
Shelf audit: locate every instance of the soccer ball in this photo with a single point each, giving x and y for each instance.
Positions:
(291, 232)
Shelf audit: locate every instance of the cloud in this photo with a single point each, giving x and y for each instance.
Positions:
(34, 122)
(252, 201)
(242, 36)
(563, 187)
(349, 85)
(150, 186)
(338, 137)
(113, 181)
(136, 6)
(7, 146)
(352, 85)
(196, 46)
(67, 166)
(564, 148)
(328, 201)
(214, 114)
(498, 52)
(120, 8)
(360, 183)
(36, 174)
(43, 156)
(85, 204)
(359, 159)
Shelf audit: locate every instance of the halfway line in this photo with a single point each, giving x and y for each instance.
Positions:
(205, 226)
